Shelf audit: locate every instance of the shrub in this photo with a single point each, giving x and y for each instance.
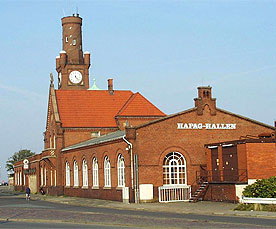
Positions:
(265, 188)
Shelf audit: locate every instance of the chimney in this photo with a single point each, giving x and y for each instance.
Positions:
(205, 100)
(110, 86)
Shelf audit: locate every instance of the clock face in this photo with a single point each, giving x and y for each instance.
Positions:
(75, 77)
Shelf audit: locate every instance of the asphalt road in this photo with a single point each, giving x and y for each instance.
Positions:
(16, 212)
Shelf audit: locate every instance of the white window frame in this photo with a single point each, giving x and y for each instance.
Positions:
(41, 176)
(67, 174)
(76, 174)
(174, 169)
(56, 177)
(84, 173)
(54, 140)
(121, 170)
(107, 172)
(95, 168)
(51, 177)
(51, 142)
(45, 176)
(20, 178)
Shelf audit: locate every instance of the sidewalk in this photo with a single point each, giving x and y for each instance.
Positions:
(202, 207)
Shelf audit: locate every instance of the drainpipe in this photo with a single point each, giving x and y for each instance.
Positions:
(131, 161)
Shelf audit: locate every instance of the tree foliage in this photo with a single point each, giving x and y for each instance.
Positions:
(18, 156)
(265, 188)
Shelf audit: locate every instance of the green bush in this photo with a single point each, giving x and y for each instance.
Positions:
(265, 188)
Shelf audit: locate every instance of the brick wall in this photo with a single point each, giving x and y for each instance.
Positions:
(221, 192)
(261, 160)
(112, 150)
(153, 142)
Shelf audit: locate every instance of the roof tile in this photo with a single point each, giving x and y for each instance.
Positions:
(97, 108)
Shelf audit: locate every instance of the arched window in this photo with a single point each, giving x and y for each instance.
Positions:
(67, 174)
(41, 176)
(174, 169)
(45, 176)
(107, 176)
(84, 173)
(76, 174)
(121, 170)
(20, 178)
(95, 173)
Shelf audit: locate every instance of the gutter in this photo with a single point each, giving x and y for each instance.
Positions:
(134, 176)
(131, 159)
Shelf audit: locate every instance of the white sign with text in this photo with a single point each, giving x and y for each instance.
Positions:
(207, 126)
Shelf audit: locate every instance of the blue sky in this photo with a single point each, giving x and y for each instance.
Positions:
(164, 49)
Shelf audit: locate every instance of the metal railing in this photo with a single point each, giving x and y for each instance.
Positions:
(238, 175)
(174, 193)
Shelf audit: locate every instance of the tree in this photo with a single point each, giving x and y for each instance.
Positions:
(17, 156)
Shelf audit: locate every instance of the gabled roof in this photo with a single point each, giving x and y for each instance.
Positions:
(138, 105)
(98, 108)
(194, 109)
(85, 108)
(95, 141)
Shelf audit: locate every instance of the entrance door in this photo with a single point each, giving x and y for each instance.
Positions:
(215, 165)
(230, 163)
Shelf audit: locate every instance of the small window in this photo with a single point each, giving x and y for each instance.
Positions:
(74, 42)
(67, 174)
(45, 176)
(95, 134)
(95, 173)
(51, 174)
(41, 176)
(76, 174)
(84, 174)
(66, 39)
(107, 175)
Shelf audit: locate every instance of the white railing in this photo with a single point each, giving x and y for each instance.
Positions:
(174, 193)
(249, 200)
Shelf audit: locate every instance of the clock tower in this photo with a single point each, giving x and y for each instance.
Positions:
(72, 64)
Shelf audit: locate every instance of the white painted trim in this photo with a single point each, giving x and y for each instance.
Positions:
(248, 200)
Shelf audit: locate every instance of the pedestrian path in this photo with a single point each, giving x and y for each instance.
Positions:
(202, 207)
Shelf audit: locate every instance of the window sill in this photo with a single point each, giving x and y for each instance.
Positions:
(107, 188)
(75, 186)
(84, 187)
(67, 187)
(119, 187)
(95, 187)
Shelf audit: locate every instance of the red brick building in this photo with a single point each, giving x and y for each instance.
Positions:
(232, 165)
(116, 145)
(77, 113)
